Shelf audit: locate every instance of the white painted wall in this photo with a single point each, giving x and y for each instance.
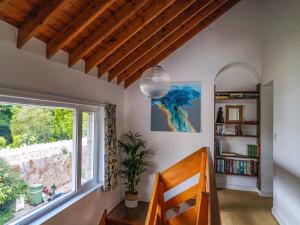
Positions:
(236, 79)
(267, 140)
(281, 63)
(233, 38)
(31, 71)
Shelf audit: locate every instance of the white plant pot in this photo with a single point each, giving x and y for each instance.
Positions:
(131, 201)
(19, 204)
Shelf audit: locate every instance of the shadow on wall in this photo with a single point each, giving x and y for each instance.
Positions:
(287, 193)
(147, 177)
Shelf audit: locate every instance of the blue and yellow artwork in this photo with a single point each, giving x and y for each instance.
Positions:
(179, 110)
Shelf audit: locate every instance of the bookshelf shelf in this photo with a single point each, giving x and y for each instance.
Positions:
(244, 123)
(236, 157)
(236, 95)
(234, 164)
(234, 174)
(229, 135)
(236, 92)
(235, 99)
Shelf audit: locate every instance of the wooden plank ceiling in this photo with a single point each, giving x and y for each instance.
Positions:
(120, 37)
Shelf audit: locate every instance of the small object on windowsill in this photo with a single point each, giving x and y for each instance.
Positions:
(55, 196)
(53, 189)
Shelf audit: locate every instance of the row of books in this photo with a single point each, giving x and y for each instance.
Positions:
(238, 167)
(219, 147)
(238, 95)
(220, 129)
(253, 150)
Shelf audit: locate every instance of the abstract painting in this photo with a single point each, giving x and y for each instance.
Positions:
(179, 110)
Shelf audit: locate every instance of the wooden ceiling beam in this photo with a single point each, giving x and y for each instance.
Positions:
(77, 25)
(143, 17)
(159, 36)
(35, 19)
(183, 39)
(143, 35)
(114, 22)
(169, 38)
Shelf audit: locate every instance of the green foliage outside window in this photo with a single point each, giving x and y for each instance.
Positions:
(63, 124)
(2, 142)
(5, 118)
(12, 186)
(28, 125)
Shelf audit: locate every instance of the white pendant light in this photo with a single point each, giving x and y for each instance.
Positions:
(155, 82)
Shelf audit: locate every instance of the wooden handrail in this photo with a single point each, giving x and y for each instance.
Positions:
(206, 209)
(213, 207)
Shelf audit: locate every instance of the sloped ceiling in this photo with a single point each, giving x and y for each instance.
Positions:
(120, 37)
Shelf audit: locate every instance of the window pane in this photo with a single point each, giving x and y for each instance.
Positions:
(87, 147)
(36, 155)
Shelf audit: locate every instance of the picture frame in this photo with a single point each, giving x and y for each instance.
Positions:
(234, 114)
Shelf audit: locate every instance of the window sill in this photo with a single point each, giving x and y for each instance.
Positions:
(72, 199)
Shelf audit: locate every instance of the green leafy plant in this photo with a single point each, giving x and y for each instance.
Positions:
(2, 142)
(63, 124)
(5, 117)
(12, 186)
(135, 162)
(31, 125)
(5, 215)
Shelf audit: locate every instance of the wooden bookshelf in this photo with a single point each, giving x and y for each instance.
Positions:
(239, 97)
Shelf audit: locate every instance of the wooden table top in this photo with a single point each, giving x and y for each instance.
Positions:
(128, 216)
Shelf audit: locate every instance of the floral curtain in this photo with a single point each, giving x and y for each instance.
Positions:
(111, 154)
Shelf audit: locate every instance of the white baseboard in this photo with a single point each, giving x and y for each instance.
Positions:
(265, 194)
(278, 217)
(237, 187)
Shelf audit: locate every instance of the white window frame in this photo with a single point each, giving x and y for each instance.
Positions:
(79, 106)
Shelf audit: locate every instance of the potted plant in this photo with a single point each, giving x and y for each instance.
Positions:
(134, 164)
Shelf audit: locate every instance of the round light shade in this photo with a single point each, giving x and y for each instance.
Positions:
(155, 82)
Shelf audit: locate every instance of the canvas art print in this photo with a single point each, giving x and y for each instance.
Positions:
(179, 110)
